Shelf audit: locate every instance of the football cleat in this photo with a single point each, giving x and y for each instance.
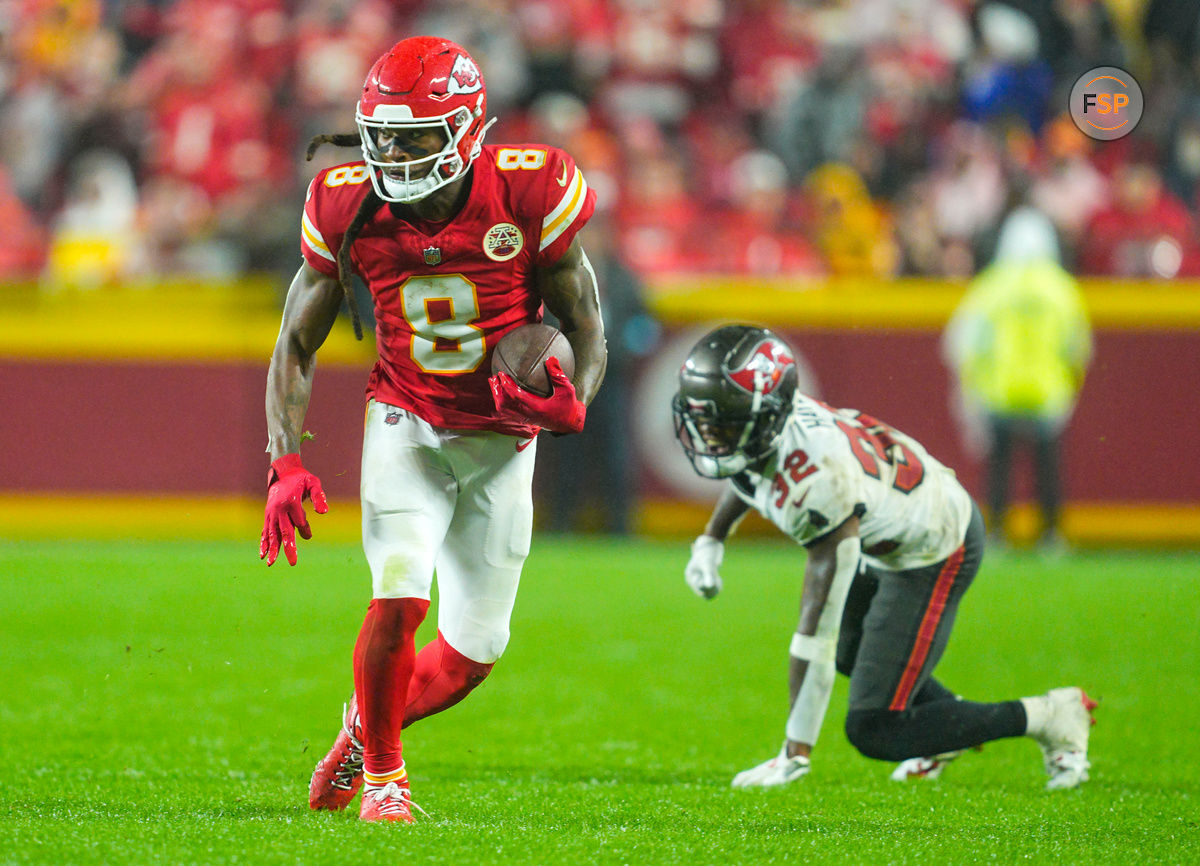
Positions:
(778, 771)
(929, 767)
(389, 803)
(1063, 736)
(924, 768)
(339, 775)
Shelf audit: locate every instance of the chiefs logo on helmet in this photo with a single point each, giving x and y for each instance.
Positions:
(464, 76)
(764, 369)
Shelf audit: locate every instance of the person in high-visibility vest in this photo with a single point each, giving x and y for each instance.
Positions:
(1020, 343)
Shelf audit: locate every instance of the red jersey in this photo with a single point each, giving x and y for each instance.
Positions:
(446, 292)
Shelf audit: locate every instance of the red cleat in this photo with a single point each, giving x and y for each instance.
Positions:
(1088, 704)
(389, 803)
(339, 775)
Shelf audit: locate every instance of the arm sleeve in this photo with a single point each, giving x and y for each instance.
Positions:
(820, 650)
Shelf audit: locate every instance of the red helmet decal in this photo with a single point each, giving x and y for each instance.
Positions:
(464, 76)
(766, 365)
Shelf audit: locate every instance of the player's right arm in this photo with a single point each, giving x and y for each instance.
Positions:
(730, 508)
(309, 312)
(701, 572)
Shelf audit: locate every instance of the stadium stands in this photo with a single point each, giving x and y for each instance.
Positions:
(773, 137)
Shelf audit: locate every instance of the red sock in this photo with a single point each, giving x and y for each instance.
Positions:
(443, 677)
(383, 666)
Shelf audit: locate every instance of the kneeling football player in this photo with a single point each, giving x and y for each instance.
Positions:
(893, 542)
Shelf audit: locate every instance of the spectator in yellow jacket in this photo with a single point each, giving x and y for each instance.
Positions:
(1020, 343)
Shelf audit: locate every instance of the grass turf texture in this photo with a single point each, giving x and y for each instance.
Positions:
(166, 703)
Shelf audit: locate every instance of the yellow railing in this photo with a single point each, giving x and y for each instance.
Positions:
(177, 319)
(902, 304)
(190, 319)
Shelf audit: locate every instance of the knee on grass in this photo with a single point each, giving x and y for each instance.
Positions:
(874, 734)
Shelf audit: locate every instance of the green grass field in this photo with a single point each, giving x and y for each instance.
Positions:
(166, 703)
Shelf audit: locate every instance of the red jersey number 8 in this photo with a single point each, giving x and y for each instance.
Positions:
(346, 174)
(511, 159)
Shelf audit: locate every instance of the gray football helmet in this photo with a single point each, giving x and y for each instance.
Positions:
(736, 389)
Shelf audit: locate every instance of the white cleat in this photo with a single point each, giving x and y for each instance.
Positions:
(1064, 722)
(778, 771)
(924, 768)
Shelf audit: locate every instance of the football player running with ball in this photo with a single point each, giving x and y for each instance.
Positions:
(893, 542)
(459, 243)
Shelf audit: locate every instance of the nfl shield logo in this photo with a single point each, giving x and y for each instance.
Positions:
(433, 255)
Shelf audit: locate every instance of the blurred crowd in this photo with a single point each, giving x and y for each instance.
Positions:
(765, 137)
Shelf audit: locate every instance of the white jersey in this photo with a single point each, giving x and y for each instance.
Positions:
(835, 463)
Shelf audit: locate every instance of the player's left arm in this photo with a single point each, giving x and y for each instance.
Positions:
(832, 564)
(569, 290)
(833, 561)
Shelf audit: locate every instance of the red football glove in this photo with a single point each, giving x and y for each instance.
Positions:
(289, 483)
(561, 412)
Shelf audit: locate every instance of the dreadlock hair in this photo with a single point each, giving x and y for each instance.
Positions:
(370, 204)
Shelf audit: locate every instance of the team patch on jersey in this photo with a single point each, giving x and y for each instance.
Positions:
(502, 242)
(432, 255)
(766, 364)
(464, 77)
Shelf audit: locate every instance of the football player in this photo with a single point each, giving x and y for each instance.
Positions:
(458, 242)
(893, 542)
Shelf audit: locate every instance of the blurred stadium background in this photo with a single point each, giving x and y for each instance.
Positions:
(837, 170)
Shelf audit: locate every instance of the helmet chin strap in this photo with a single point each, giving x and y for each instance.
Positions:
(406, 191)
(755, 406)
(719, 467)
(409, 190)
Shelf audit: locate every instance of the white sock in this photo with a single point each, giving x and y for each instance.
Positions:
(1037, 713)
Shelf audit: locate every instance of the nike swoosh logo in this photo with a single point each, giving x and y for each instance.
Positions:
(521, 446)
(562, 181)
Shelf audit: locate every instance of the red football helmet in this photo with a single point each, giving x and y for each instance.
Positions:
(423, 83)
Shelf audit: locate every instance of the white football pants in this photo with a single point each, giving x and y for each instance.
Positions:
(456, 501)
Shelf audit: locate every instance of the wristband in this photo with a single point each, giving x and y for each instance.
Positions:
(281, 466)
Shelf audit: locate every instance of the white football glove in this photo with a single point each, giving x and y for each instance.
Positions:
(778, 771)
(701, 571)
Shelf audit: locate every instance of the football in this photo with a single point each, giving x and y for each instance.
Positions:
(523, 351)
